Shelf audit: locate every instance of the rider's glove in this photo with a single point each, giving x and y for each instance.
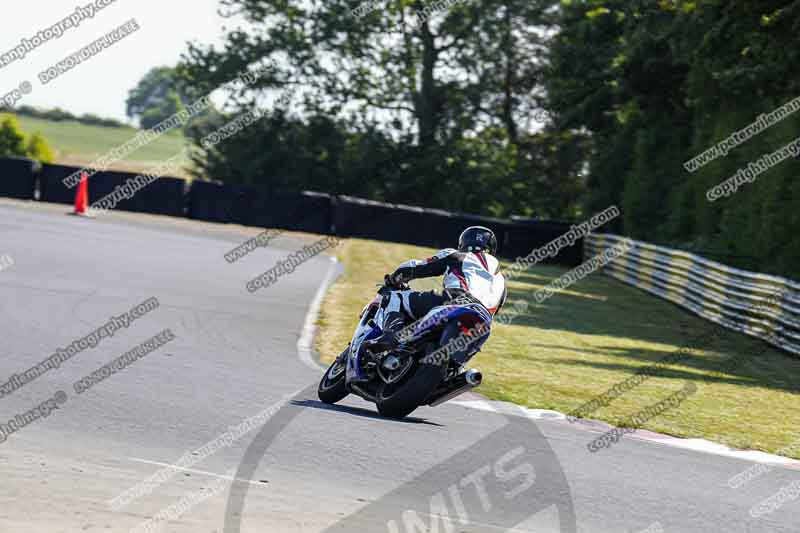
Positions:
(396, 278)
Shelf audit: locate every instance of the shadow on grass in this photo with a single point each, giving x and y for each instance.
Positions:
(603, 306)
(741, 378)
(599, 305)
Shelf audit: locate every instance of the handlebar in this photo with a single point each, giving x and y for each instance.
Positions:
(389, 285)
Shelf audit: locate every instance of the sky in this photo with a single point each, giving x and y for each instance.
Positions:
(100, 84)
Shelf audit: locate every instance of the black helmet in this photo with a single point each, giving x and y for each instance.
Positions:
(477, 239)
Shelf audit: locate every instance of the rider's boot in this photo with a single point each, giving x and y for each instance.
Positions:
(388, 339)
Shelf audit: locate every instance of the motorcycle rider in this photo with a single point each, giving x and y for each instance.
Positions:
(471, 273)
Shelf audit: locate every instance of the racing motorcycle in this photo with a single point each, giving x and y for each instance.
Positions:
(426, 368)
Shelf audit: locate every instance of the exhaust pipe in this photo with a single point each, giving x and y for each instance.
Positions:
(473, 377)
(455, 387)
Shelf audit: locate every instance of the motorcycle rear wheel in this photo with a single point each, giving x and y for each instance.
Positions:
(398, 400)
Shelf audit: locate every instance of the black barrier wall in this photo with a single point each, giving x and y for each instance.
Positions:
(525, 236)
(446, 227)
(303, 211)
(300, 211)
(165, 196)
(103, 183)
(51, 189)
(345, 216)
(17, 177)
(212, 202)
(367, 219)
(435, 228)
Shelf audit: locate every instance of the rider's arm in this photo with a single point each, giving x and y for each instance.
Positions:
(426, 268)
(502, 301)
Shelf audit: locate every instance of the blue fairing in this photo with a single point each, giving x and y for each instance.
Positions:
(447, 313)
(354, 372)
(469, 315)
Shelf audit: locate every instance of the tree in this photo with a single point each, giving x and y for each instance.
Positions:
(653, 85)
(14, 142)
(160, 94)
(420, 102)
(12, 138)
(38, 148)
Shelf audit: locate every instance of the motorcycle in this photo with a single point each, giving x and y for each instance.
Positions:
(426, 368)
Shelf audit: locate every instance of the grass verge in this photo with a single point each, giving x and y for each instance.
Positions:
(81, 144)
(589, 337)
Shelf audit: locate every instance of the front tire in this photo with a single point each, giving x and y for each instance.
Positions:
(332, 387)
(398, 400)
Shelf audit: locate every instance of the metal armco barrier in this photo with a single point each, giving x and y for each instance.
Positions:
(760, 305)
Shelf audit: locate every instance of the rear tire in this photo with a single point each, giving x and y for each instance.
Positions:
(397, 400)
(332, 387)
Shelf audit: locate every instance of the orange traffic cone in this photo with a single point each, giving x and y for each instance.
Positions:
(82, 196)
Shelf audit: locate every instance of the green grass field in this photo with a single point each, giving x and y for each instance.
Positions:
(78, 144)
(592, 335)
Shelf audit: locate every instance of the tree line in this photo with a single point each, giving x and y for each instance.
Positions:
(543, 108)
(556, 109)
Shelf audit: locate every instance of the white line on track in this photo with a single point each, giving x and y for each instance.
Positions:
(305, 344)
(697, 445)
(192, 470)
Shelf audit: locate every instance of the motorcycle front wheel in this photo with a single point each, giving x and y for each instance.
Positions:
(332, 386)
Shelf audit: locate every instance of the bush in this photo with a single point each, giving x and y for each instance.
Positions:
(12, 138)
(38, 148)
(14, 142)
(59, 115)
(94, 120)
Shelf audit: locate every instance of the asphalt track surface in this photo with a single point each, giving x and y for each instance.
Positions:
(311, 467)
